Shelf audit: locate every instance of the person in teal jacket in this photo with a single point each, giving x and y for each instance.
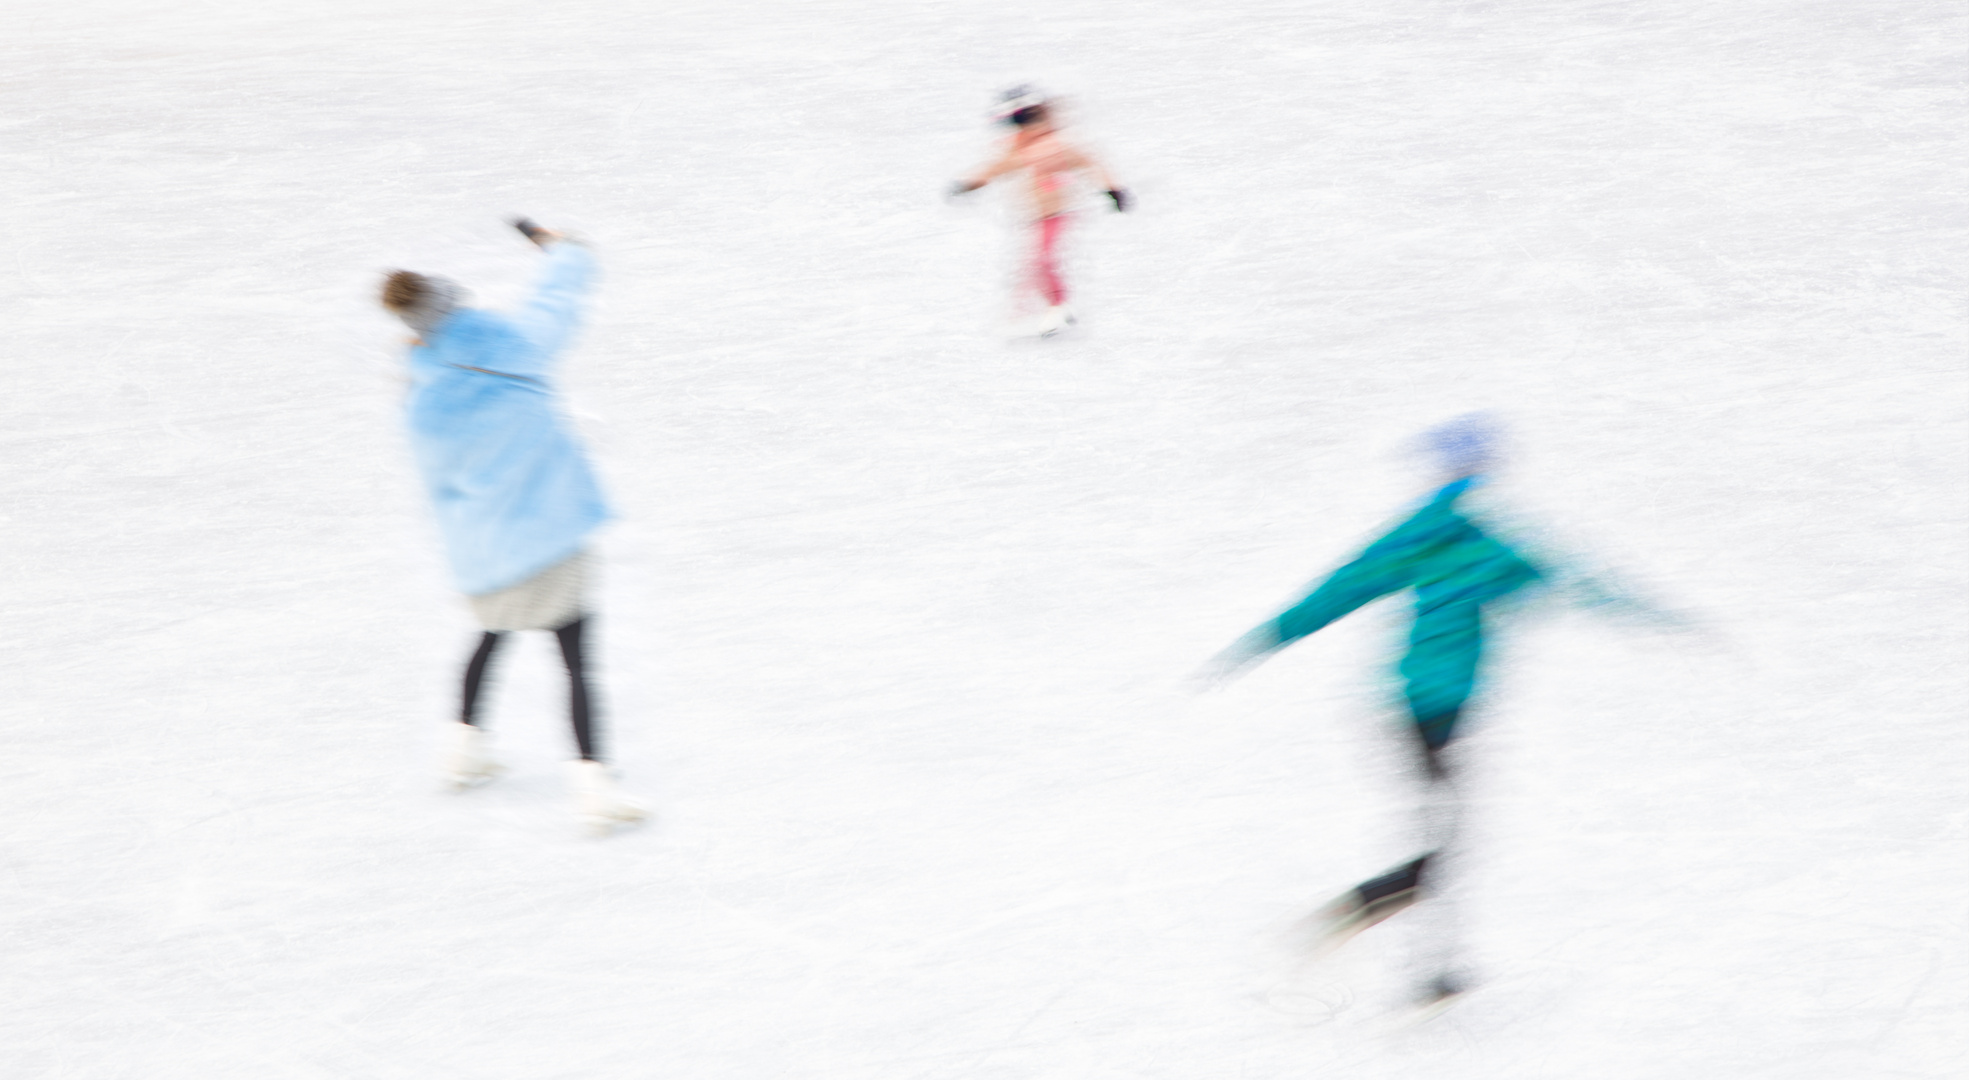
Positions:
(1456, 571)
(515, 498)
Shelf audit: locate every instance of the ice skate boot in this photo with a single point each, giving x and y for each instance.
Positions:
(466, 763)
(1442, 992)
(597, 802)
(1055, 320)
(1368, 903)
(1435, 998)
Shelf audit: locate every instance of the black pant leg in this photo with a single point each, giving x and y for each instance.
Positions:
(475, 676)
(1432, 735)
(580, 714)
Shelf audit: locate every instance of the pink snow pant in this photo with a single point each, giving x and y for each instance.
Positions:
(1046, 259)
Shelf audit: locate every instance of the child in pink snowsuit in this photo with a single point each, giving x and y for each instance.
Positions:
(1049, 165)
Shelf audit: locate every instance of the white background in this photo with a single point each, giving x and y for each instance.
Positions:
(896, 618)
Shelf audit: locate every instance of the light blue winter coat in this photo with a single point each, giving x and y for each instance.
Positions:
(513, 492)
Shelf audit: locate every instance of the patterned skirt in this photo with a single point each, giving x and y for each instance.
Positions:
(548, 600)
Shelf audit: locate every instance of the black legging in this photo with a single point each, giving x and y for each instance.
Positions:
(1433, 733)
(579, 713)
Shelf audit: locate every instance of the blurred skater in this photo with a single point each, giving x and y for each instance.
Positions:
(515, 498)
(1460, 573)
(1052, 173)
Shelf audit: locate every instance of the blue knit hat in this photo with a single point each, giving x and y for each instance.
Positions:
(1463, 446)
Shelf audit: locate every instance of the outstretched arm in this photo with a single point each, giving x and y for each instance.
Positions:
(1578, 580)
(1108, 184)
(552, 314)
(1373, 575)
(1604, 593)
(1092, 166)
(1348, 589)
(1386, 566)
(1003, 164)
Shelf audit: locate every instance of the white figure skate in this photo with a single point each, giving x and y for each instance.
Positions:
(466, 763)
(597, 802)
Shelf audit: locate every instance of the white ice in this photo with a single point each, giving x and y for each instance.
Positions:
(897, 614)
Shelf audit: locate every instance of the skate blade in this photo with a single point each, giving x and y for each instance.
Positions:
(1418, 1015)
(1338, 923)
(1039, 328)
(605, 825)
(457, 782)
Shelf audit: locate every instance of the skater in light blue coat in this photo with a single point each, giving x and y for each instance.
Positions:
(513, 492)
(516, 499)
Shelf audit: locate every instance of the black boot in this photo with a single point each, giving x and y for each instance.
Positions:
(1372, 901)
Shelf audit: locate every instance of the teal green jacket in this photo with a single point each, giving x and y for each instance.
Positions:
(1454, 569)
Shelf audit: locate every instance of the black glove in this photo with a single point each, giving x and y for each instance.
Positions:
(532, 232)
(1120, 198)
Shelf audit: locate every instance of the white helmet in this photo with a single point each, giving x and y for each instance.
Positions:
(1019, 105)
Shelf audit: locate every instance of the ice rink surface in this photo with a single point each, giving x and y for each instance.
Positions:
(898, 612)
